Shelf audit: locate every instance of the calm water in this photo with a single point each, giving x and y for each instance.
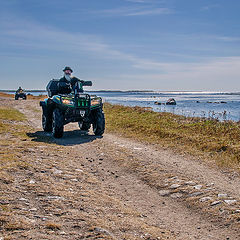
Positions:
(198, 104)
(188, 103)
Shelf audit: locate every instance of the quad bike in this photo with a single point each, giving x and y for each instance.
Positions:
(65, 105)
(20, 94)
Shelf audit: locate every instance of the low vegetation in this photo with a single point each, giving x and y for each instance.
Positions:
(12, 130)
(209, 139)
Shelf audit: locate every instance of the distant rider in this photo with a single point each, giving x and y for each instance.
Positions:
(19, 90)
(69, 79)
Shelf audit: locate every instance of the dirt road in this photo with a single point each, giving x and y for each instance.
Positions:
(117, 188)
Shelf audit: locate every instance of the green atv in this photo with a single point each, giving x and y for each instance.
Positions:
(65, 105)
(20, 94)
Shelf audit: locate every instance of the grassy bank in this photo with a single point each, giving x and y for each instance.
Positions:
(13, 137)
(209, 139)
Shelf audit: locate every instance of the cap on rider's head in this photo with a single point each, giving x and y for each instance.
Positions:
(67, 68)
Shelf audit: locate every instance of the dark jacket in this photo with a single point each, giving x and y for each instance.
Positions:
(19, 90)
(72, 82)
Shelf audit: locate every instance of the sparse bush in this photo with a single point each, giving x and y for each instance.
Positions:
(53, 226)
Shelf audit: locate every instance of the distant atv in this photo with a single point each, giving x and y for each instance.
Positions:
(64, 105)
(20, 94)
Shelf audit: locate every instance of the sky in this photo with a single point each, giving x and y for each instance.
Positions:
(162, 45)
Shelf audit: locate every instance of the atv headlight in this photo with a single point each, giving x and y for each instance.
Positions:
(68, 102)
(95, 102)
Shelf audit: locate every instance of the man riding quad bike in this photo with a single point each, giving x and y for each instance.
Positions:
(67, 103)
(20, 94)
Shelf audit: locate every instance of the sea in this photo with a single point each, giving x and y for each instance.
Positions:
(216, 105)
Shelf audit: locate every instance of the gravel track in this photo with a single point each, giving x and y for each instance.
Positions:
(182, 195)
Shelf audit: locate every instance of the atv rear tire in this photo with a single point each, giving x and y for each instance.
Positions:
(57, 123)
(16, 97)
(46, 123)
(84, 126)
(99, 123)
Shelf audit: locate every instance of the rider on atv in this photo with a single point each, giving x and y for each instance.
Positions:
(19, 90)
(20, 94)
(68, 82)
(67, 103)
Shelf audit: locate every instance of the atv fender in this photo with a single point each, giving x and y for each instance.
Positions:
(43, 104)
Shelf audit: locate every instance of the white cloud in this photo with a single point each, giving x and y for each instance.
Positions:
(195, 37)
(210, 7)
(227, 38)
(134, 11)
(156, 11)
(33, 35)
(219, 74)
(137, 1)
(146, 1)
(215, 73)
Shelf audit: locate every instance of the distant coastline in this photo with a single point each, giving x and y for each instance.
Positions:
(135, 91)
(24, 90)
(113, 91)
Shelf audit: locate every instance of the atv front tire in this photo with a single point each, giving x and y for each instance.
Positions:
(46, 123)
(99, 123)
(57, 123)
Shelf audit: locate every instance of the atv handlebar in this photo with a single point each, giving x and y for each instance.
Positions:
(87, 83)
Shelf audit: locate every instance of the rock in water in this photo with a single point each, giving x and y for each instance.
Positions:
(171, 101)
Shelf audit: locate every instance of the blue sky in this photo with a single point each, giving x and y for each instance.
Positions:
(174, 45)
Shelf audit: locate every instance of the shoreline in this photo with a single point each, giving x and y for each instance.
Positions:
(140, 91)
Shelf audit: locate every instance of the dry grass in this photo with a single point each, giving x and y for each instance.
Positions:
(8, 222)
(3, 94)
(11, 114)
(209, 139)
(53, 226)
(12, 131)
(40, 97)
